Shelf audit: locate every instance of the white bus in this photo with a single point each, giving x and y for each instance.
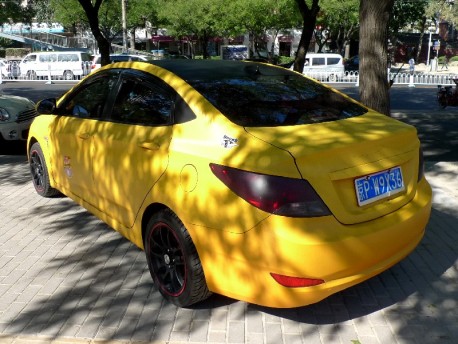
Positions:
(60, 64)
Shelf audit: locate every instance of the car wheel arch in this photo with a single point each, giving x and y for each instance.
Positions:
(150, 210)
(31, 142)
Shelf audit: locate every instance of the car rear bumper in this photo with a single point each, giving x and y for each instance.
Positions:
(239, 265)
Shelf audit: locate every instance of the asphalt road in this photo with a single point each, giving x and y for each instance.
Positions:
(437, 128)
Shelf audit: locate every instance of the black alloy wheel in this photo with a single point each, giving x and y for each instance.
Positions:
(39, 171)
(173, 260)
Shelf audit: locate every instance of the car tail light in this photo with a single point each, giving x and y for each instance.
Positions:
(295, 282)
(273, 194)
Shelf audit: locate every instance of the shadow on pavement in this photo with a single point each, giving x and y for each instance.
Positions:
(101, 279)
(94, 282)
(13, 147)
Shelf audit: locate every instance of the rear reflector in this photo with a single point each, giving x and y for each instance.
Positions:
(295, 282)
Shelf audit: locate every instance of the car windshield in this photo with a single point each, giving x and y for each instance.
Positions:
(276, 100)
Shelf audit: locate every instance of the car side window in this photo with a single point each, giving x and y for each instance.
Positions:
(318, 61)
(143, 103)
(90, 100)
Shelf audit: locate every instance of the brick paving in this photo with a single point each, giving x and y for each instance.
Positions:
(65, 277)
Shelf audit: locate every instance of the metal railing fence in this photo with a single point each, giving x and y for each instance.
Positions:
(12, 74)
(398, 78)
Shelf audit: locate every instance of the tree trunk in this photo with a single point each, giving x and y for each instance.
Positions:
(92, 13)
(308, 27)
(204, 41)
(373, 67)
(420, 40)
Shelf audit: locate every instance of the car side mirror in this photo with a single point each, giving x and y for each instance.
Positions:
(46, 106)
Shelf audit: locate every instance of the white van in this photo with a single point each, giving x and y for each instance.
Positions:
(61, 64)
(116, 58)
(324, 66)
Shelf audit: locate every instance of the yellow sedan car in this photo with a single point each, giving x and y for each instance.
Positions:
(237, 178)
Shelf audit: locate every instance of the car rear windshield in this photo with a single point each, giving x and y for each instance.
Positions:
(276, 100)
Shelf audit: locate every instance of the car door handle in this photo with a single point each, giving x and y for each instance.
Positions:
(84, 136)
(150, 145)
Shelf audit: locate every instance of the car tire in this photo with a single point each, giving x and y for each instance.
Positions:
(173, 260)
(332, 78)
(31, 75)
(40, 175)
(68, 75)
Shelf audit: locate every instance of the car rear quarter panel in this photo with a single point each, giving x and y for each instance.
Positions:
(239, 265)
(198, 196)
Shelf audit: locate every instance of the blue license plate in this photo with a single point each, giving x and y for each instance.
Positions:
(379, 185)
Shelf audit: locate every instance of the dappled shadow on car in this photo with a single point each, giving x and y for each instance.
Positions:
(88, 269)
(417, 289)
(105, 275)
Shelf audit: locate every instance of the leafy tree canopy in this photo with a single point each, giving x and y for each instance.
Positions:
(443, 10)
(10, 11)
(341, 21)
(407, 13)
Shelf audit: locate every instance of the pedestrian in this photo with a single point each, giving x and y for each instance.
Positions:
(448, 55)
(412, 65)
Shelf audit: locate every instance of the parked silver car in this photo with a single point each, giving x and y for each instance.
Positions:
(16, 115)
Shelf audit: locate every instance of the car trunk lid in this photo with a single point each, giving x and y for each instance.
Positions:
(332, 155)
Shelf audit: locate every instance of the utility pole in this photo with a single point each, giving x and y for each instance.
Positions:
(124, 26)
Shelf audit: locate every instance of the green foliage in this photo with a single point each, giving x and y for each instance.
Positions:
(44, 12)
(192, 17)
(70, 13)
(16, 52)
(407, 12)
(441, 59)
(10, 10)
(341, 19)
(4, 42)
(442, 10)
(336, 14)
(285, 59)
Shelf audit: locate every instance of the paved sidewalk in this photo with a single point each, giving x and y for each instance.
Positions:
(423, 68)
(66, 277)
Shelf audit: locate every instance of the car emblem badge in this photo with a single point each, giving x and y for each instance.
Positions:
(68, 166)
(229, 142)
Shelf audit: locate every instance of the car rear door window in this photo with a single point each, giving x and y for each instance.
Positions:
(144, 103)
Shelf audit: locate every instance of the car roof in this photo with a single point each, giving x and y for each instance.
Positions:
(191, 70)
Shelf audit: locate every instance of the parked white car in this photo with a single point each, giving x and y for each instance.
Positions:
(116, 58)
(16, 115)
